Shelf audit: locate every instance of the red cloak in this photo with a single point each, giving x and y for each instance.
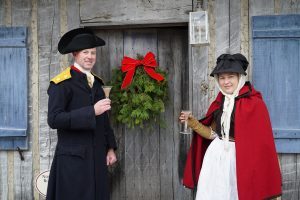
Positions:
(257, 166)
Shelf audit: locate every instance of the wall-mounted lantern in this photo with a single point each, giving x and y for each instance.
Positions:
(198, 26)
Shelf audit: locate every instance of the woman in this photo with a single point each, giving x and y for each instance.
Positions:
(240, 162)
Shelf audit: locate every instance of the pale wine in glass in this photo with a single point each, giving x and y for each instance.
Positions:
(106, 89)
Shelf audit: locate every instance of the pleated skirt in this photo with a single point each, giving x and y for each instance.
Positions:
(217, 179)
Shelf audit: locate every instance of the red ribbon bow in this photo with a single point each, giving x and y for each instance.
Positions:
(129, 65)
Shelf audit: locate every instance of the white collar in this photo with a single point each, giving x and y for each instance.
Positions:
(81, 69)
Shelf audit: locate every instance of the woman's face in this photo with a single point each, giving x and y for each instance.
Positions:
(228, 82)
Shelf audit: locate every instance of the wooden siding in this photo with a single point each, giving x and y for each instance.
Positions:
(132, 12)
(46, 21)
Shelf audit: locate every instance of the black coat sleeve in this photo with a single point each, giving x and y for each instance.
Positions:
(109, 134)
(59, 118)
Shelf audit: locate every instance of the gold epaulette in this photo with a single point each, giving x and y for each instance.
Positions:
(64, 75)
(96, 76)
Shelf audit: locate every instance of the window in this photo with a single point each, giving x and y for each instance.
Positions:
(13, 88)
(276, 71)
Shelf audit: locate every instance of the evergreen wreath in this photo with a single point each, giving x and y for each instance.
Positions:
(139, 91)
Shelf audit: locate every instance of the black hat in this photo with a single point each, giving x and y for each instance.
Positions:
(78, 39)
(231, 63)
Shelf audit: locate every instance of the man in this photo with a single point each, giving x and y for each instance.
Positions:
(77, 108)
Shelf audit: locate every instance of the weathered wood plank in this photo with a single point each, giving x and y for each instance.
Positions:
(109, 57)
(166, 143)
(235, 26)
(223, 42)
(118, 187)
(51, 29)
(2, 12)
(10, 175)
(63, 26)
(257, 7)
(133, 12)
(23, 176)
(212, 89)
(222, 26)
(46, 47)
(261, 7)
(289, 176)
(289, 7)
(22, 170)
(3, 176)
(35, 97)
(73, 18)
(4, 157)
(49, 33)
(298, 175)
(199, 76)
(180, 99)
(172, 58)
(103, 62)
(142, 163)
(244, 30)
(7, 12)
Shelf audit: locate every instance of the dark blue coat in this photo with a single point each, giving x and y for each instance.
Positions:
(78, 170)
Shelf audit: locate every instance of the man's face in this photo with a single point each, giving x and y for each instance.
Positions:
(86, 58)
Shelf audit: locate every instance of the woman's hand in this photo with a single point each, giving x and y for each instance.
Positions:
(183, 117)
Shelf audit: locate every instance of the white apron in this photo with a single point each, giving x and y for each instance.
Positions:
(217, 179)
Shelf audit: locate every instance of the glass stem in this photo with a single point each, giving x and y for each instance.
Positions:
(185, 126)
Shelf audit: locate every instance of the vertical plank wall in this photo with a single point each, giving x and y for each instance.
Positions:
(16, 174)
(230, 31)
(5, 19)
(43, 22)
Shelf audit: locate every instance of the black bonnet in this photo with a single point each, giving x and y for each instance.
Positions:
(231, 63)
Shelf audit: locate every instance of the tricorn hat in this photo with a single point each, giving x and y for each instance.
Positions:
(231, 63)
(78, 39)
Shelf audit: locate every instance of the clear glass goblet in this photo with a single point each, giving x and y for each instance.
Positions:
(106, 89)
(184, 128)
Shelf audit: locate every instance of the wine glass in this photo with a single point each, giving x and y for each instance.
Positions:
(106, 89)
(185, 129)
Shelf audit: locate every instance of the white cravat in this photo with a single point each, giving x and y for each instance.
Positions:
(89, 75)
(228, 107)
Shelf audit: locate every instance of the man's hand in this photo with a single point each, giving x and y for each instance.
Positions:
(111, 157)
(102, 106)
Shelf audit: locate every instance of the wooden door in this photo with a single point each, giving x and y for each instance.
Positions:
(150, 162)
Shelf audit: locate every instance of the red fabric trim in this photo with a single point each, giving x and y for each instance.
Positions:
(75, 69)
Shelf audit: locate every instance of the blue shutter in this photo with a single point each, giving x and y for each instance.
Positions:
(13, 88)
(276, 73)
